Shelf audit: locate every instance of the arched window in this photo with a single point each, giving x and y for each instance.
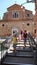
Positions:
(28, 15)
(14, 30)
(15, 15)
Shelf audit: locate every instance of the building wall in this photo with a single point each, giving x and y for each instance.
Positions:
(21, 25)
(36, 16)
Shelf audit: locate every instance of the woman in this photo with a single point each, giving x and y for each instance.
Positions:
(14, 41)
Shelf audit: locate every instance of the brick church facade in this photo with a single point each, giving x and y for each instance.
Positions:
(17, 18)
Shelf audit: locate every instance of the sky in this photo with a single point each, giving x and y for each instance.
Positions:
(4, 4)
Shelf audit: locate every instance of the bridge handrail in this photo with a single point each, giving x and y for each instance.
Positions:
(3, 48)
(31, 38)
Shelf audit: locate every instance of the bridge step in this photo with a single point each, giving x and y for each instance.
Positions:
(17, 64)
(21, 54)
(22, 57)
(17, 60)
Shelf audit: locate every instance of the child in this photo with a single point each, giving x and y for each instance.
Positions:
(19, 37)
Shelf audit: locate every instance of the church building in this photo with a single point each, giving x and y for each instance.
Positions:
(17, 18)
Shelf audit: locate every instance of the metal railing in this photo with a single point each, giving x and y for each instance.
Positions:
(33, 42)
(3, 48)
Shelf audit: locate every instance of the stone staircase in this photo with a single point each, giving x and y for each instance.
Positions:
(23, 57)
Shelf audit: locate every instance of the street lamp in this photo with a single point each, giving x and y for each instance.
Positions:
(28, 1)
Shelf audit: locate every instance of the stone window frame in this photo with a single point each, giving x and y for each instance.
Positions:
(15, 29)
(28, 15)
(15, 14)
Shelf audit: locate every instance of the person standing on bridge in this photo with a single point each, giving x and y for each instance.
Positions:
(25, 38)
(14, 42)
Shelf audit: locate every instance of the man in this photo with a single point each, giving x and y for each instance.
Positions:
(25, 37)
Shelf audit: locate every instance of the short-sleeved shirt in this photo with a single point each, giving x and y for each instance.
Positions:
(25, 35)
(14, 40)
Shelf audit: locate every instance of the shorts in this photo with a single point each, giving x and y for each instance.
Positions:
(25, 39)
(14, 45)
